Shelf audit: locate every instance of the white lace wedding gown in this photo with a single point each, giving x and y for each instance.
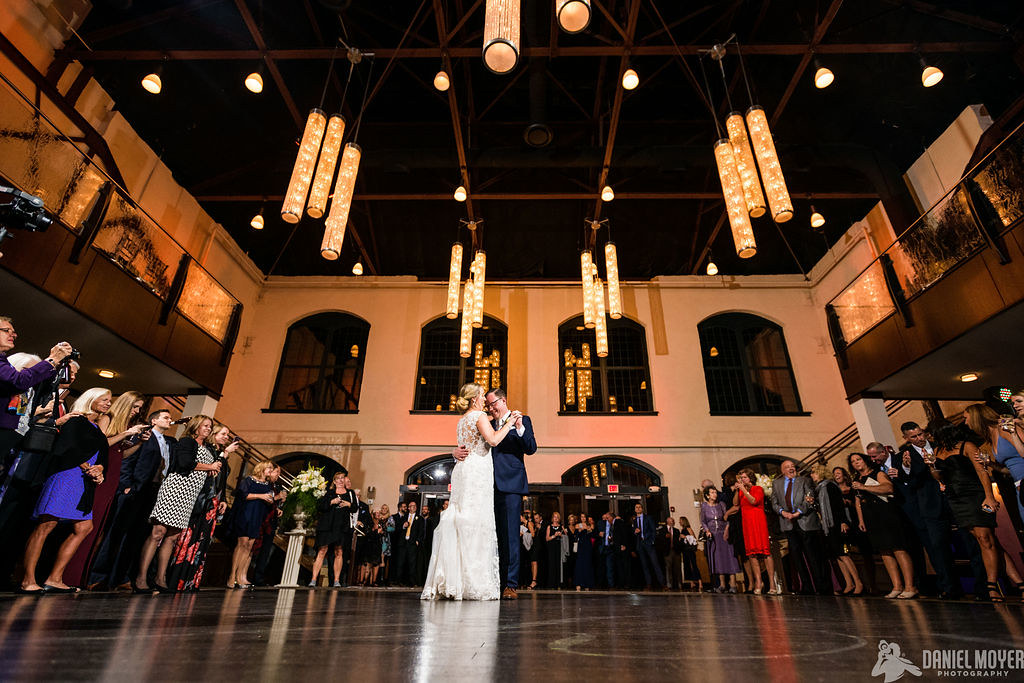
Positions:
(464, 558)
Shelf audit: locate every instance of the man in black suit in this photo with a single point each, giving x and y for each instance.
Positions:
(410, 536)
(644, 534)
(606, 543)
(925, 505)
(138, 484)
(668, 544)
(402, 510)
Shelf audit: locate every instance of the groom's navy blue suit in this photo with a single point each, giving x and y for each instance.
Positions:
(510, 486)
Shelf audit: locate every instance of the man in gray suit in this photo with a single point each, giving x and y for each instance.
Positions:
(793, 500)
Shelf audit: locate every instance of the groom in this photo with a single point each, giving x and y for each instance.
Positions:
(510, 485)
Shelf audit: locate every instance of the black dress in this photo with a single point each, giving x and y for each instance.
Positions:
(964, 491)
(334, 525)
(835, 540)
(554, 557)
(881, 519)
(185, 571)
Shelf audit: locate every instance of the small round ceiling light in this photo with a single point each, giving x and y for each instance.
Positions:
(607, 194)
(969, 377)
(151, 83)
(254, 82)
(107, 374)
(357, 269)
(460, 193)
(630, 79)
(442, 81)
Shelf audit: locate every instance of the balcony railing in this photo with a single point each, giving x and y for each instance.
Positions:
(971, 216)
(40, 159)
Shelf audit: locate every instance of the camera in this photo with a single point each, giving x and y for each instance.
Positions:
(21, 211)
(64, 367)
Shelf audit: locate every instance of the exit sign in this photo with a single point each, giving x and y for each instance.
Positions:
(613, 488)
(449, 488)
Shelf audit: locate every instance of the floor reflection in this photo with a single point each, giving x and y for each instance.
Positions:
(295, 634)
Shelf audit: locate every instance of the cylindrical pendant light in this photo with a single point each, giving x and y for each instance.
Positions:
(501, 35)
(337, 220)
(478, 288)
(305, 163)
(611, 271)
(454, 278)
(466, 333)
(573, 15)
(600, 322)
(587, 275)
(325, 167)
(768, 162)
(732, 190)
(745, 165)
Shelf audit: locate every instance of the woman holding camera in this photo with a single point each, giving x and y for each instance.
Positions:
(191, 463)
(186, 569)
(79, 455)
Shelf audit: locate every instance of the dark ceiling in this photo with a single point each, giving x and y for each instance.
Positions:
(231, 148)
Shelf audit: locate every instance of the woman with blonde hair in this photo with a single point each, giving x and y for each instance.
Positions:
(253, 497)
(79, 456)
(464, 558)
(191, 463)
(334, 526)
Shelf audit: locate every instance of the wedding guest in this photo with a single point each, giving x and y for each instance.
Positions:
(793, 502)
(958, 465)
(537, 549)
(78, 457)
(334, 527)
(644, 535)
(423, 556)
(13, 382)
(369, 552)
(189, 558)
(387, 533)
(263, 547)
(755, 530)
(856, 537)
(583, 539)
(569, 572)
(553, 548)
(688, 550)
(138, 482)
(391, 571)
(124, 434)
(668, 545)
(734, 533)
(525, 543)
(1002, 440)
(832, 511)
(191, 463)
(410, 538)
(877, 516)
(608, 541)
(721, 559)
(254, 496)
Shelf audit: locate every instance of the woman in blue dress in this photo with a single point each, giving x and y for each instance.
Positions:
(253, 498)
(79, 458)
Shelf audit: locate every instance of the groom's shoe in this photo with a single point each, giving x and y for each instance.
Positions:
(509, 594)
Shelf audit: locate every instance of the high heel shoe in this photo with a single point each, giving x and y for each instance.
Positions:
(141, 591)
(907, 595)
(895, 592)
(993, 587)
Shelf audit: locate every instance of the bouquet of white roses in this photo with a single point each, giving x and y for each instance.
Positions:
(307, 487)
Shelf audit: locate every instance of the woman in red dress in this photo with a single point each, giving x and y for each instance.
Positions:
(755, 528)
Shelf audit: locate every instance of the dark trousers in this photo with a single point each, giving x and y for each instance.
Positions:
(118, 554)
(649, 563)
(407, 552)
(16, 524)
(262, 559)
(608, 559)
(673, 570)
(807, 549)
(935, 540)
(507, 510)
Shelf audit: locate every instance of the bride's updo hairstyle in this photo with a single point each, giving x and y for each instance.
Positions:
(467, 394)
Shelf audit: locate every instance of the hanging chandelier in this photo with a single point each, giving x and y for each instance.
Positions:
(572, 15)
(466, 333)
(325, 168)
(480, 262)
(305, 163)
(611, 271)
(501, 35)
(600, 322)
(768, 162)
(732, 190)
(454, 278)
(587, 275)
(337, 220)
(745, 164)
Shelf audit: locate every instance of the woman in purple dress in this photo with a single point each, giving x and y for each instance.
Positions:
(79, 458)
(721, 558)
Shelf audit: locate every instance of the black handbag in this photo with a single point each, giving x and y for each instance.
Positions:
(36, 455)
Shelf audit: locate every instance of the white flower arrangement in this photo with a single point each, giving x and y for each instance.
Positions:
(311, 480)
(765, 482)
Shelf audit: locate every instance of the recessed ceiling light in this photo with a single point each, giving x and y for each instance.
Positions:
(107, 374)
(968, 377)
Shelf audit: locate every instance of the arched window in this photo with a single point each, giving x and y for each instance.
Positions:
(436, 471)
(297, 461)
(610, 469)
(618, 383)
(746, 366)
(322, 365)
(442, 370)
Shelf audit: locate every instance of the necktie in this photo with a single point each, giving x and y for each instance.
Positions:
(789, 494)
(607, 533)
(640, 523)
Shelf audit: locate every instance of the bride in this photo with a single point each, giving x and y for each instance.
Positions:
(464, 558)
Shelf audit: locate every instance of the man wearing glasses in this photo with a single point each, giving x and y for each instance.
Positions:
(510, 484)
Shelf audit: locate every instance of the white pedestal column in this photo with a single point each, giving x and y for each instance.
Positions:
(873, 422)
(290, 575)
(198, 404)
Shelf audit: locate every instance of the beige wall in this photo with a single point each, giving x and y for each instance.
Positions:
(683, 441)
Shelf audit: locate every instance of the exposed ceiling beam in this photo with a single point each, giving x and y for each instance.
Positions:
(539, 196)
(323, 53)
(147, 20)
(819, 34)
(697, 262)
(275, 73)
(932, 10)
(613, 122)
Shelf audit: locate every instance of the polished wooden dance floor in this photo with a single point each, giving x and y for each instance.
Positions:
(349, 635)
